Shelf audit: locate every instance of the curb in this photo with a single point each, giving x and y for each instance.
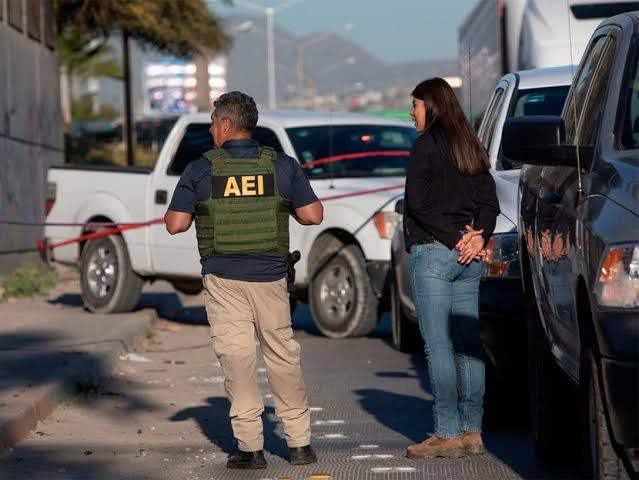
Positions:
(41, 401)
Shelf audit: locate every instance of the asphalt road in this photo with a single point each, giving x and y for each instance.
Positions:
(163, 415)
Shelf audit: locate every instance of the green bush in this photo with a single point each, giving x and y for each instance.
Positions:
(27, 281)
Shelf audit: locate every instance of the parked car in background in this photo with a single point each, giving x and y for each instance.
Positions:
(344, 263)
(579, 249)
(521, 94)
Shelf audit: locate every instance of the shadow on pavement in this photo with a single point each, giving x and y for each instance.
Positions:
(27, 361)
(64, 463)
(214, 422)
(68, 300)
(31, 359)
(408, 415)
(168, 306)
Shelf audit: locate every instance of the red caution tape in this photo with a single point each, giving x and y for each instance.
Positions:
(42, 245)
(356, 156)
(111, 228)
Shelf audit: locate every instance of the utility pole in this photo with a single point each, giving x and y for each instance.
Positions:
(300, 71)
(128, 111)
(270, 41)
(202, 88)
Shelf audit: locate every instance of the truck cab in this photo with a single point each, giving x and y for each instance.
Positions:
(578, 223)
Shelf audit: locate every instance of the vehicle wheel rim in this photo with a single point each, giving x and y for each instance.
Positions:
(337, 295)
(101, 272)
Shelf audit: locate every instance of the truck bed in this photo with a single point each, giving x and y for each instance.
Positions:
(119, 194)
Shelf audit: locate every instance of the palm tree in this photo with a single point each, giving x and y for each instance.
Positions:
(176, 27)
(81, 57)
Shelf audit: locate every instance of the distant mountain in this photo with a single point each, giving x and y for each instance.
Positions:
(325, 64)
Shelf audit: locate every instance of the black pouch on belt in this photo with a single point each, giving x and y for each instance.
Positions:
(292, 259)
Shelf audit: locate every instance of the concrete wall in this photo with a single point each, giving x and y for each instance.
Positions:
(31, 130)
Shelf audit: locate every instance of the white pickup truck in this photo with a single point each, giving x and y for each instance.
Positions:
(345, 261)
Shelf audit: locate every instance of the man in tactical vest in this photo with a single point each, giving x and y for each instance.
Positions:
(241, 196)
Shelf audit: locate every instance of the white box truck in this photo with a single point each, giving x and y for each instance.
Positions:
(503, 36)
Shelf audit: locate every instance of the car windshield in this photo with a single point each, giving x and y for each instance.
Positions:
(353, 150)
(535, 101)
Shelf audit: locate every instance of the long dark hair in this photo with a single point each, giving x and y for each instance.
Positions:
(442, 108)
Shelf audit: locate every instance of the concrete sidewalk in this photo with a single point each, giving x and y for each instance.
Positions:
(50, 348)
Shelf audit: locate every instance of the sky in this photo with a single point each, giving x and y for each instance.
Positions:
(393, 30)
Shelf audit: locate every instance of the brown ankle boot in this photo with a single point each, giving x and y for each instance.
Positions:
(435, 446)
(473, 444)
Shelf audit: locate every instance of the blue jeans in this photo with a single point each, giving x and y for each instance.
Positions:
(446, 296)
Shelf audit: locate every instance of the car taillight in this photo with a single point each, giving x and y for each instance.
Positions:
(50, 198)
(502, 256)
(386, 223)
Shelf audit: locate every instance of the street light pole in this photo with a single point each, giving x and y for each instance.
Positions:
(270, 41)
(300, 71)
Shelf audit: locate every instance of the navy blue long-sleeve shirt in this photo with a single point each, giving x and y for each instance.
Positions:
(195, 186)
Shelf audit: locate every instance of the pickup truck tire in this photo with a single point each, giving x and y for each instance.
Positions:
(550, 409)
(341, 297)
(605, 463)
(108, 283)
(405, 333)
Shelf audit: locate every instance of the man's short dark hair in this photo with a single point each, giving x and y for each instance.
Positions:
(239, 108)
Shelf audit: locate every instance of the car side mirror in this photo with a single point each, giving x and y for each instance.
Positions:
(539, 140)
(399, 206)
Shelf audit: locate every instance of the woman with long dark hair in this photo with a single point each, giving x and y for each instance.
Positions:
(450, 210)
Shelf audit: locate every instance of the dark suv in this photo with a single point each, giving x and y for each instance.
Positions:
(579, 251)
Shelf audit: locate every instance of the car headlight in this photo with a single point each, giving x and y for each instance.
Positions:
(386, 223)
(502, 256)
(618, 281)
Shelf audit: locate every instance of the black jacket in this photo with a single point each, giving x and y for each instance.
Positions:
(439, 201)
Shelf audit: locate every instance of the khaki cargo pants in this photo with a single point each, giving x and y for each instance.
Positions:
(239, 312)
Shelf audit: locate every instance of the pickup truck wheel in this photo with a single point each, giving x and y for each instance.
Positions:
(605, 464)
(405, 333)
(108, 283)
(551, 414)
(341, 296)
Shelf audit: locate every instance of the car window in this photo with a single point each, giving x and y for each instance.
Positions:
(196, 140)
(491, 118)
(353, 150)
(628, 130)
(595, 102)
(267, 138)
(575, 102)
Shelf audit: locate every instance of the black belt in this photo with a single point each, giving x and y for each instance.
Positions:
(423, 242)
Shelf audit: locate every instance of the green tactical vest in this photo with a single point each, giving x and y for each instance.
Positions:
(245, 212)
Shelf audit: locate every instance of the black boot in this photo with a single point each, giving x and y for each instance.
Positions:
(247, 460)
(302, 455)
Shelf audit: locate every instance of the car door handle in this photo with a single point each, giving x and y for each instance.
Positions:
(161, 197)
